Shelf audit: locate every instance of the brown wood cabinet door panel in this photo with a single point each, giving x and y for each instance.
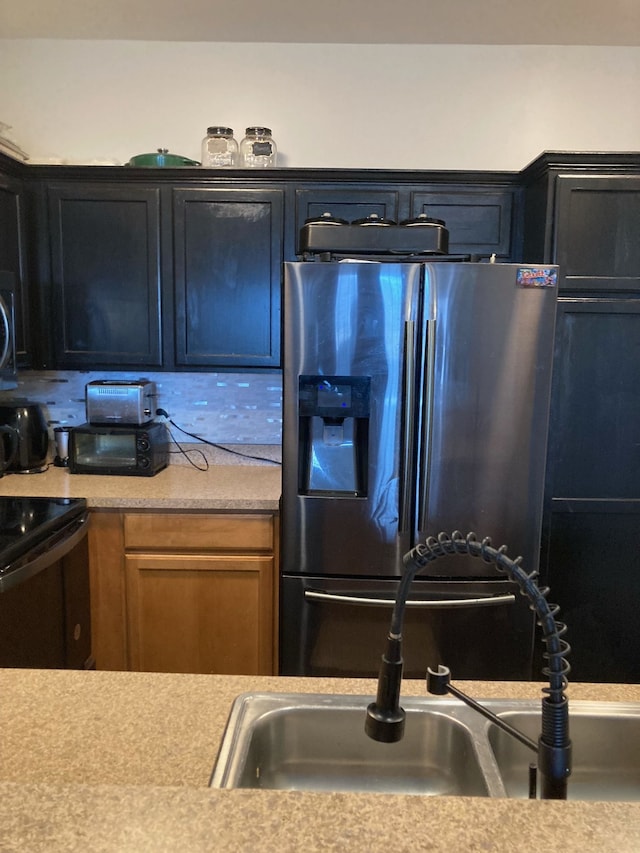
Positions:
(106, 572)
(200, 614)
(184, 532)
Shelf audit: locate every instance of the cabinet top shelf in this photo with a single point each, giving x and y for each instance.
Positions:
(574, 160)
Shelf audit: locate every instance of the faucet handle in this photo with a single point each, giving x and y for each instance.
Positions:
(438, 680)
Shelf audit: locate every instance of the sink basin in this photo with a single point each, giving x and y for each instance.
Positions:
(606, 752)
(317, 742)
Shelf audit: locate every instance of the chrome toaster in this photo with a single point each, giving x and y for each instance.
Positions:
(125, 402)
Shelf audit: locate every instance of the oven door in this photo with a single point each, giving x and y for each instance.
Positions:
(338, 627)
(45, 620)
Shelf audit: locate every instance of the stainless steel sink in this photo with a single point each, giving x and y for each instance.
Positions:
(317, 742)
(606, 751)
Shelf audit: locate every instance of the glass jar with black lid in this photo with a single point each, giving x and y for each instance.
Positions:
(219, 148)
(258, 149)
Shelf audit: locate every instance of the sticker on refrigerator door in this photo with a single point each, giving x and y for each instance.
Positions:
(537, 277)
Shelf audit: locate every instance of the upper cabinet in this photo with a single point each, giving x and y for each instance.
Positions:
(153, 275)
(597, 236)
(228, 254)
(479, 220)
(13, 248)
(344, 202)
(582, 212)
(181, 269)
(479, 216)
(105, 275)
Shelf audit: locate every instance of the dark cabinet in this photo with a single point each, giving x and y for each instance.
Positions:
(583, 213)
(598, 232)
(159, 276)
(591, 543)
(105, 275)
(228, 253)
(13, 247)
(594, 578)
(594, 431)
(348, 203)
(479, 218)
(479, 222)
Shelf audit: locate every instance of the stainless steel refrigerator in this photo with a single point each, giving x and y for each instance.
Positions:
(416, 400)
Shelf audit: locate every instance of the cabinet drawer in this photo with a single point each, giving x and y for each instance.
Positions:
(194, 532)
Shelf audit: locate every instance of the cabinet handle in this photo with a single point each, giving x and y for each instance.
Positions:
(425, 604)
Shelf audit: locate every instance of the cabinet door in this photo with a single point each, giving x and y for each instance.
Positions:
(597, 234)
(593, 576)
(228, 246)
(200, 613)
(12, 258)
(479, 222)
(594, 429)
(345, 203)
(105, 250)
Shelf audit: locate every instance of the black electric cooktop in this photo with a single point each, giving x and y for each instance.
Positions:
(26, 523)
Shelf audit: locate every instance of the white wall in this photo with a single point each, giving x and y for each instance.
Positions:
(367, 106)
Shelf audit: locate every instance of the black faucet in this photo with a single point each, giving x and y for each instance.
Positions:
(385, 718)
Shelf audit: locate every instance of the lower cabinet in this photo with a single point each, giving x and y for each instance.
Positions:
(594, 553)
(196, 592)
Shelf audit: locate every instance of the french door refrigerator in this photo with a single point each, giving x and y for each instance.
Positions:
(416, 400)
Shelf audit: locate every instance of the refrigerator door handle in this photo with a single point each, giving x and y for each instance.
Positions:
(408, 429)
(425, 604)
(428, 380)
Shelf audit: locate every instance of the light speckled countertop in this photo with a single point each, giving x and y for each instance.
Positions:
(114, 761)
(221, 487)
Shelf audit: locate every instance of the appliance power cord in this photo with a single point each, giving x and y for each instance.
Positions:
(164, 414)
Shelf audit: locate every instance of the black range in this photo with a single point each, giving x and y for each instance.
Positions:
(44, 583)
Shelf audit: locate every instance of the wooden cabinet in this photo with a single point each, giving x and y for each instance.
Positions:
(594, 554)
(597, 235)
(156, 276)
(479, 220)
(594, 430)
(105, 275)
(180, 269)
(348, 203)
(591, 548)
(185, 592)
(589, 223)
(228, 246)
(480, 217)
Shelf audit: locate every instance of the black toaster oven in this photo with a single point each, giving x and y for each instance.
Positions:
(130, 450)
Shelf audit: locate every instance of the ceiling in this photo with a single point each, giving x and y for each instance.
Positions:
(569, 22)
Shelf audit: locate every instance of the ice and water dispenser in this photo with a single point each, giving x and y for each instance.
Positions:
(333, 434)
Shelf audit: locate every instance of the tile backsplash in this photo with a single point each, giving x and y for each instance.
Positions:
(226, 408)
